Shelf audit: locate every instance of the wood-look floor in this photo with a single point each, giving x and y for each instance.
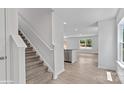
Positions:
(85, 71)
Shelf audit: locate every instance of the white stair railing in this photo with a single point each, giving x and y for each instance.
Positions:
(18, 73)
(43, 49)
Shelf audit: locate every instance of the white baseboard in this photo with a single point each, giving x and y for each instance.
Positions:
(107, 68)
(55, 75)
(7, 82)
(60, 71)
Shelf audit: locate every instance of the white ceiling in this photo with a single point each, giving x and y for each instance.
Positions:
(84, 20)
(85, 16)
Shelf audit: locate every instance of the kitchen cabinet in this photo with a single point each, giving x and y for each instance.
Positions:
(70, 55)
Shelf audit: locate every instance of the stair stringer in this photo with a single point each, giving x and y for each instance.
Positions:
(46, 53)
(50, 69)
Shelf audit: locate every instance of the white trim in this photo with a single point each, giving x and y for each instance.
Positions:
(120, 42)
(60, 71)
(55, 75)
(120, 64)
(18, 50)
(27, 30)
(107, 68)
(18, 41)
(79, 35)
(7, 82)
(33, 32)
(49, 67)
(82, 48)
(121, 21)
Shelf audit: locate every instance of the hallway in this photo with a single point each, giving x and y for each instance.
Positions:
(85, 71)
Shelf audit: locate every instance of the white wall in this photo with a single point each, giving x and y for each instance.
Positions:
(11, 28)
(58, 41)
(107, 44)
(48, 28)
(120, 15)
(41, 20)
(69, 30)
(74, 43)
(38, 32)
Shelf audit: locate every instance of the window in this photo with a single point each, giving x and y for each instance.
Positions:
(123, 51)
(82, 43)
(121, 43)
(85, 43)
(88, 43)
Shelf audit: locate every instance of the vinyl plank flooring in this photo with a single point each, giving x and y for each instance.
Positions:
(85, 71)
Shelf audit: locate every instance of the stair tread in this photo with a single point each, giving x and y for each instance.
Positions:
(36, 66)
(34, 63)
(35, 69)
(30, 51)
(32, 60)
(39, 79)
(23, 36)
(29, 48)
(27, 43)
(33, 56)
(40, 74)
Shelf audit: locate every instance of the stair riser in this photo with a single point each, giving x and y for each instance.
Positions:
(39, 78)
(26, 41)
(23, 37)
(29, 49)
(32, 60)
(33, 67)
(28, 44)
(21, 34)
(33, 63)
(33, 70)
(30, 54)
(35, 73)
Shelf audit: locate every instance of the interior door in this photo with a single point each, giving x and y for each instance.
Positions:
(3, 74)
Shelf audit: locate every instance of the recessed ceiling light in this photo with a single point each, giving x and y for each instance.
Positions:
(65, 23)
(75, 29)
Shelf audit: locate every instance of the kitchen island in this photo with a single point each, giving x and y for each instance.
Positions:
(70, 55)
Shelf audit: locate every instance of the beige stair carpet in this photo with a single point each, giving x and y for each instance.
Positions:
(36, 71)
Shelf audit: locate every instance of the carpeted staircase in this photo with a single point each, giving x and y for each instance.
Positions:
(36, 70)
